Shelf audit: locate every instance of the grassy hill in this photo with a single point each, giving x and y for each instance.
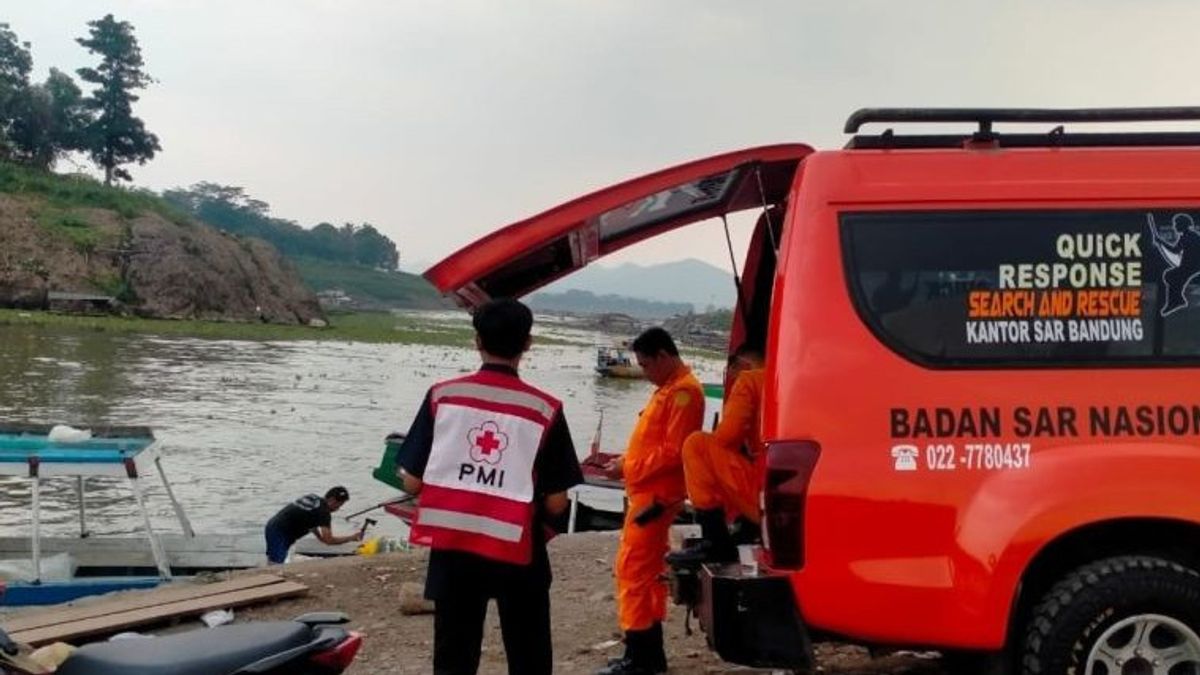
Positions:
(66, 207)
(72, 234)
(77, 191)
(370, 286)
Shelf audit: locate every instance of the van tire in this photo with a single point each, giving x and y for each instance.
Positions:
(1079, 609)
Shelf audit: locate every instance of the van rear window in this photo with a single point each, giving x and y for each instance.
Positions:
(1029, 288)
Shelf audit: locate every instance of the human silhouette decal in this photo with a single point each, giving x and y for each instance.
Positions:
(1182, 256)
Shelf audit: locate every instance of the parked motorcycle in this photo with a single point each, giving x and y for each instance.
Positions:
(312, 644)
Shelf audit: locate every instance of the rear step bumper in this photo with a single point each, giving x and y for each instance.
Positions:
(751, 619)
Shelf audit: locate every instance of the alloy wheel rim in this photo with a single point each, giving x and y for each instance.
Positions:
(1146, 644)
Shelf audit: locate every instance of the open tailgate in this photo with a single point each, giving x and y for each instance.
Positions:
(531, 253)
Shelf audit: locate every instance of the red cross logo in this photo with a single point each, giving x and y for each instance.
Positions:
(487, 443)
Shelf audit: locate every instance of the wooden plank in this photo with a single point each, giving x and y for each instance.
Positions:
(131, 601)
(112, 623)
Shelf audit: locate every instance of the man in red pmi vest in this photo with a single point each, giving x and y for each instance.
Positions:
(492, 459)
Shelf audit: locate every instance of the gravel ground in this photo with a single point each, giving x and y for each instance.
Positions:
(372, 589)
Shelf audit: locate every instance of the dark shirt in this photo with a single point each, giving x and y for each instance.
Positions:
(555, 469)
(301, 517)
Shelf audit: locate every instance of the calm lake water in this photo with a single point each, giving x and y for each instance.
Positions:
(247, 426)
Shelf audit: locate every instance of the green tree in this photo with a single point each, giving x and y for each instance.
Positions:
(374, 249)
(52, 120)
(70, 111)
(115, 137)
(229, 208)
(16, 62)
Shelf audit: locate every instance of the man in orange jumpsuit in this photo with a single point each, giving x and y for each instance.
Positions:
(654, 489)
(723, 468)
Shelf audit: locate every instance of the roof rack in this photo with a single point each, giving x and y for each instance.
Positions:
(986, 117)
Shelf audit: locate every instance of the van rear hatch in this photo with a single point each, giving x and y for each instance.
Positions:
(526, 255)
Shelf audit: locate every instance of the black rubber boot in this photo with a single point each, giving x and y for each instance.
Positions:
(624, 664)
(627, 656)
(655, 653)
(644, 654)
(745, 531)
(716, 544)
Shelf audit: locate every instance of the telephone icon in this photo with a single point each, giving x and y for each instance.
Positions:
(905, 456)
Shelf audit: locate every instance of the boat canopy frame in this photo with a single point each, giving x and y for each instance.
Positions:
(113, 452)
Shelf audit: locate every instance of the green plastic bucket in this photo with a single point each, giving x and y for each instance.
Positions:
(387, 469)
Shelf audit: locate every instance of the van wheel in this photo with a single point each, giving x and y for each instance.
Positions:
(1132, 615)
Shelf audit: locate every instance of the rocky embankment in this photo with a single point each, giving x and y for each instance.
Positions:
(154, 266)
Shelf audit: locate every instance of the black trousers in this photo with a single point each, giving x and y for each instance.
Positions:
(459, 613)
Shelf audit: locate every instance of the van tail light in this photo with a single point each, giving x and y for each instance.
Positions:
(340, 656)
(790, 467)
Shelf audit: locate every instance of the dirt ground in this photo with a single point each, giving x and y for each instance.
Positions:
(583, 613)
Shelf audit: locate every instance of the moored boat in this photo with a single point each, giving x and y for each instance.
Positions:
(617, 361)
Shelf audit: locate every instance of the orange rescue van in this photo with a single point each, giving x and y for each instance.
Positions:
(982, 410)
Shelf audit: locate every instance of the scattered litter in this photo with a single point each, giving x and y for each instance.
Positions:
(928, 656)
(607, 644)
(130, 635)
(61, 433)
(376, 545)
(57, 567)
(217, 617)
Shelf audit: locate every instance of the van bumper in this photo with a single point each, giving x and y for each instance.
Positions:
(751, 618)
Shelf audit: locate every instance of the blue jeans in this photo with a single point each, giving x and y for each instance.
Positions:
(277, 546)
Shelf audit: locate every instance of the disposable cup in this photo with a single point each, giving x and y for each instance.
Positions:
(747, 556)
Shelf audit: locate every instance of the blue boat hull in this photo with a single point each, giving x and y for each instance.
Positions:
(20, 594)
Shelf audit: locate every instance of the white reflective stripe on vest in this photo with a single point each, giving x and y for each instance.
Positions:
(466, 522)
(489, 392)
(484, 452)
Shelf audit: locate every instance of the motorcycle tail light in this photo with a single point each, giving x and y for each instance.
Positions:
(341, 656)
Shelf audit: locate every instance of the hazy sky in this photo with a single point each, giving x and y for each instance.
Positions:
(439, 121)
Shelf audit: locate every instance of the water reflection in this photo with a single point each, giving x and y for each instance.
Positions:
(248, 426)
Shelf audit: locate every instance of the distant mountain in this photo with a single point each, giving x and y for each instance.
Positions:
(585, 302)
(687, 281)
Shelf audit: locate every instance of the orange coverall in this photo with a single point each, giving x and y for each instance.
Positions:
(653, 470)
(719, 472)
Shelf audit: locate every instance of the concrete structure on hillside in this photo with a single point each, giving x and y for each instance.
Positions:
(80, 303)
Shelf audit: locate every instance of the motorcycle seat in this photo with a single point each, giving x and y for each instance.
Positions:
(207, 651)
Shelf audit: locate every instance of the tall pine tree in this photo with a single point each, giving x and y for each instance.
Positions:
(116, 137)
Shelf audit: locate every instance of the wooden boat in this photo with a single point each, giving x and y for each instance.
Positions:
(35, 452)
(24, 594)
(91, 565)
(617, 361)
(124, 556)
